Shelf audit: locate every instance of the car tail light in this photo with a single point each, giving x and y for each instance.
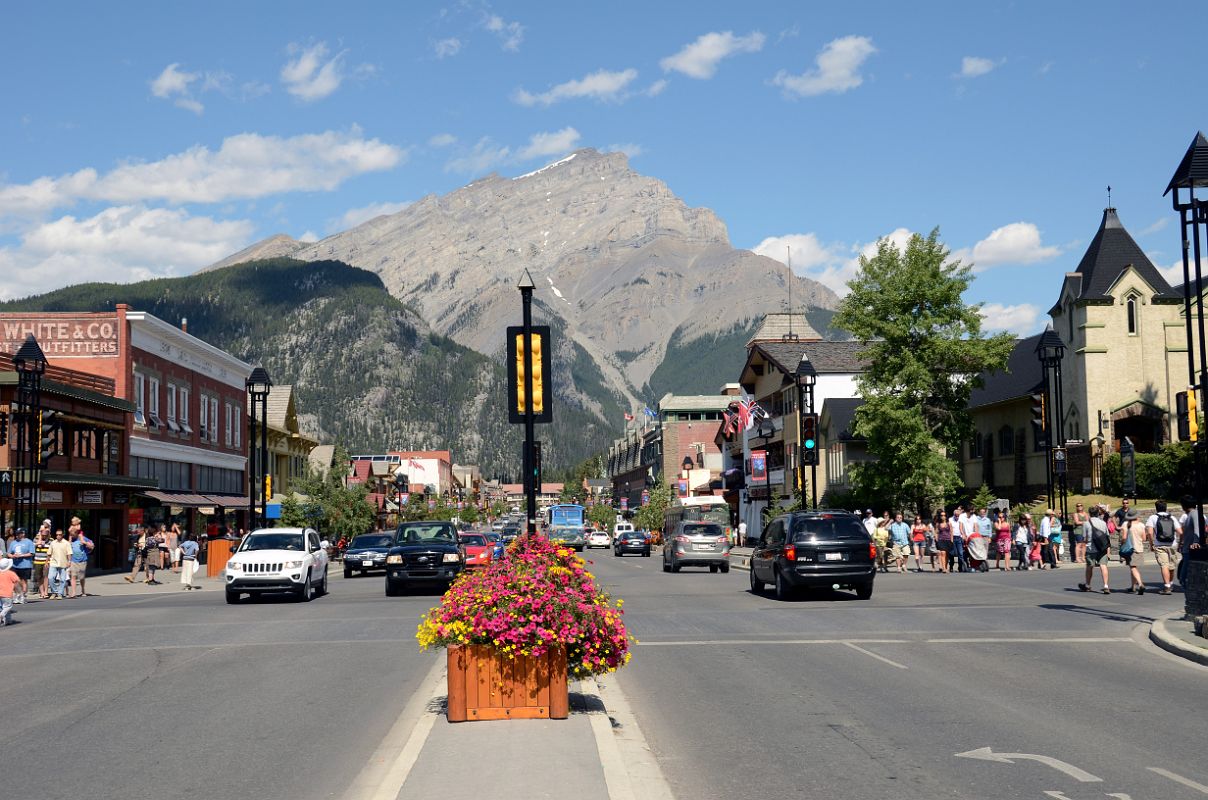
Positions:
(790, 552)
(872, 551)
(682, 539)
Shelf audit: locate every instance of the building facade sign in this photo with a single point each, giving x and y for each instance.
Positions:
(62, 337)
(91, 497)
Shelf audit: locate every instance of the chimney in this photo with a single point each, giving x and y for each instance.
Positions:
(184, 324)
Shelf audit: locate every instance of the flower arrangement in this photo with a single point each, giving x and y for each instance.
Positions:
(540, 596)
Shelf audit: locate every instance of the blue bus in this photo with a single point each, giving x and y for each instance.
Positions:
(564, 515)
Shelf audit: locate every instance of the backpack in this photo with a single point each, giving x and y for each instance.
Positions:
(1163, 532)
(1100, 541)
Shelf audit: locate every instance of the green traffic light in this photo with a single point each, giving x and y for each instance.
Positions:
(809, 444)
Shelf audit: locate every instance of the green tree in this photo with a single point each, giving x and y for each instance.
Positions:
(650, 516)
(328, 504)
(603, 516)
(925, 352)
(983, 498)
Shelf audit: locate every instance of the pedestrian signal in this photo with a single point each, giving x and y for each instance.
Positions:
(536, 354)
(3, 428)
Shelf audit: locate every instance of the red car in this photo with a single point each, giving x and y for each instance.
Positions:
(478, 549)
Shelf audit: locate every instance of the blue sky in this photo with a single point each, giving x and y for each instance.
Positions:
(142, 140)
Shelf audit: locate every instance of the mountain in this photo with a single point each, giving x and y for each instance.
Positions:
(368, 371)
(626, 272)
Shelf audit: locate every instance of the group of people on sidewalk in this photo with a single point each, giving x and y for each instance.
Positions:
(54, 564)
(162, 547)
(968, 539)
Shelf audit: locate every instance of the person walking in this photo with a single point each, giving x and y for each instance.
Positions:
(1002, 540)
(60, 561)
(1077, 534)
(943, 539)
(1055, 541)
(188, 562)
(21, 551)
(881, 538)
(8, 588)
(1097, 547)
(172, 539)
(1190, 537)
(154, 556)
(140, 556)
(81, 549)
(900, 532)
(1162, 531)
(41, 560)
(918, 540)
(1132, 549)
(1023, 540)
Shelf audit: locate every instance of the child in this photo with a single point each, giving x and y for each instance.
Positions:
(1034, 554)
(884, 550)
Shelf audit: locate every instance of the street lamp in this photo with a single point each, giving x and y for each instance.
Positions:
(766, 431)
(258, 386)
(807, 377)
(30, 364)
(526, 287)
(1050, 350)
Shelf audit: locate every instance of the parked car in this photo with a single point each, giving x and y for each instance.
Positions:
(497, 525)
(427, 552)
(509, 533)
(630, 542)
(697, 544)
(814, 549)
(478, 549)
(367, 552)
(277, 560)
(571, 537)
(598, 539)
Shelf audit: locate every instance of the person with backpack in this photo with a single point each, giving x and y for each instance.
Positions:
(1162, 531)
(1097, 547)
(1132, 549)
(1191, 536)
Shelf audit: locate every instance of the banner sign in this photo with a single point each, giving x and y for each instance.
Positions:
(759, 465)
(682, 485)
(624, 503)
(645, 497)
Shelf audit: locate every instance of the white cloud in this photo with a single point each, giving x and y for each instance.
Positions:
(552, 143)
(975, 67)
(173, 84)
(1173, 274)
(630, 149)
(447, 48)
(310, 75)
(1016, 243)
(485, 156)
(355, 216)
(442, 140)
(510, 34)
(309, 237)
(700, 58)
(119, 244)
(1158, 225)
(656, 88)
(1022, 319)
(600, 85)
(832, 265)
(837, 69)
(247, 165)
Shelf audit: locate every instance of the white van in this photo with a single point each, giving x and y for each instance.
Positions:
(621, 527)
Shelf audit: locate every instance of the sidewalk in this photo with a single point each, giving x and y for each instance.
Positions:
(114, 584)
(1176, 635)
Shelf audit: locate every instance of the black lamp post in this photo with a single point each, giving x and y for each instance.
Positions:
(30, 364)
(1050, 350)
(258, 386)
(766, 431)
(526, 287)
(807, 376)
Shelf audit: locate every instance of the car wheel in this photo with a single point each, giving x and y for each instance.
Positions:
(646, 554)
(864, 591)
(676, 567)
(783, 590)
(756, 584)
(232, 597)
(393, 589)
(725, 568)
(666, 566)
(323, 585)
(304, 592)
(347, 573)
(713, 568)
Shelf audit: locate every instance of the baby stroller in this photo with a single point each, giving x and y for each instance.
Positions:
(976, 552)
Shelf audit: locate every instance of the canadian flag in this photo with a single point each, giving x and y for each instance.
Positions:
(628, 417)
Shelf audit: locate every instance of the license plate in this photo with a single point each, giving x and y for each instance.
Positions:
(366, 563)
(704, 547)
(833, 556)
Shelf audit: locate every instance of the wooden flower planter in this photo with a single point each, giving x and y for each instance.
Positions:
(485, 684)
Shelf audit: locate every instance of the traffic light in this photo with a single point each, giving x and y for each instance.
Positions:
(268, 487)
(809, 439)
(47, 437)
(1040, 418)
(1193, 418)
(539, 344)
(1180, 410)
(3, 428)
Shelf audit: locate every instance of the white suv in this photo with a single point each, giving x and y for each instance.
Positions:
(277, 560)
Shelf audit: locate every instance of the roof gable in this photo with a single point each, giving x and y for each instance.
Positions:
(1109, 254)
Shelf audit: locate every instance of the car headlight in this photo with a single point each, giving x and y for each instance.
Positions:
(293, 564)
(394, 559)
(451, 558)
(233, 566)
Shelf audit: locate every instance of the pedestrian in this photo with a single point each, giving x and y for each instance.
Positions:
(165, 551)
(1002, 540)
(1055, 541)
(1077, 534)
(139, 550)
(154, 556)
(21, 551)
(918, 540)
(81, 548)
(742, 533)
(173, 547)
(1042, 537)
(1132, 549)
(1097, 547)
(60, 560)
(870, 522)
(1023, 540)
(188, 562)
(1118, 518)
(41, 560)
(962, 532)
(8, 588)
(881, 538)
(943, 539)
(900, 532)
(1192, 538)
(1162, 531)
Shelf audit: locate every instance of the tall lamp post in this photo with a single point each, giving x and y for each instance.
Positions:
(1050, 350)
(530, 488)
(258, 386)
(807, 448)
(766, 431)
(30, 363)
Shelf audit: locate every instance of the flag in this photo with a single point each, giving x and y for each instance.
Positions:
(628, 417)
(413, 463)
(646, 410)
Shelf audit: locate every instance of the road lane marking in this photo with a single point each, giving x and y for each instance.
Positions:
(986, 754)
(715, 642)
(631, 772)
(860, 649)
(211, 646)
(1054, 640)
(1190, 784)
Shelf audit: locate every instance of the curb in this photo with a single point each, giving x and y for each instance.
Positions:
(1159, 635)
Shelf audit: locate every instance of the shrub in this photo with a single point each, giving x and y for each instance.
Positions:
(1164, 474)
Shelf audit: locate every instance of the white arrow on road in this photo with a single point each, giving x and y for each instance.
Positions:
(986, 754)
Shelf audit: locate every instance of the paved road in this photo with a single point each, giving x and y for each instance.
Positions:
(740, 694)
(180, 695)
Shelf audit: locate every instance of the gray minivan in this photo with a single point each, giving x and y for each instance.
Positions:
(697, 544)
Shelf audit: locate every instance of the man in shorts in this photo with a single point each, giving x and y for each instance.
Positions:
(1190, 538)
(81, 548)
(8, 587)
(21, 551)
(1096, 551)
(1162, 531)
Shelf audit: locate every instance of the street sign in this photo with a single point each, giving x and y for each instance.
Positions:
(1059, 460)
(1128, 467)
(6, 483)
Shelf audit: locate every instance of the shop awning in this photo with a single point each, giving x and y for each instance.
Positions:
(227, 501)
(182, 499)
(95, 479)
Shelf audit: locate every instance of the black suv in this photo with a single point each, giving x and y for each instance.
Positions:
(814, 549)
(424, 553)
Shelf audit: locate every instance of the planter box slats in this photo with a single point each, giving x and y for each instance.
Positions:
(485, 684)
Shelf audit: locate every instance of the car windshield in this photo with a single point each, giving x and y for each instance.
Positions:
(827, 528)
(474, 540)
(702, 530)
(416, 532)
(273, 541)
(633, 535)
(373, 540)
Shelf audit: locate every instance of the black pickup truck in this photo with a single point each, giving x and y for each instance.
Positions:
(424, 553)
